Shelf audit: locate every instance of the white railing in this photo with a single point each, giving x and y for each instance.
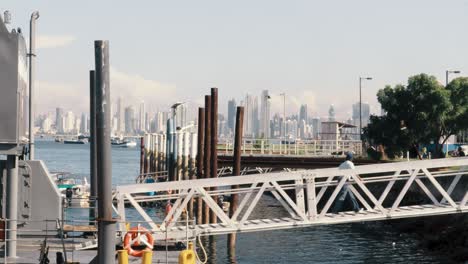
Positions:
(384, 191)
(292, 147)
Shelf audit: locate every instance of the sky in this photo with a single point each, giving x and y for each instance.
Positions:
(162, 52)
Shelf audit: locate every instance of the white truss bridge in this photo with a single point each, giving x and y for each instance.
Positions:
(384, 191)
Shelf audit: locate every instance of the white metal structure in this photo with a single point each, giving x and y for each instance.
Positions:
(385, 191)
(308, 147)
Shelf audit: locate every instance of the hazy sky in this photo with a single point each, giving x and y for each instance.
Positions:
(314, 51)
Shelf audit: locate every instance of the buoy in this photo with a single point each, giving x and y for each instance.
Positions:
(134, 238)
(187, 256)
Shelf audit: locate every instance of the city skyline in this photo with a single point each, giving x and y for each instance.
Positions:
(293, 49)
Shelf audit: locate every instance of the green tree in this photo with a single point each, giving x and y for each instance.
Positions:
(422, 112)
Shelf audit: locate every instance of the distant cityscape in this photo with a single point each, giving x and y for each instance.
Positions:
(259, 122)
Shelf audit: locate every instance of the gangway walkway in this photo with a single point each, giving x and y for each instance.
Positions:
(385, 191)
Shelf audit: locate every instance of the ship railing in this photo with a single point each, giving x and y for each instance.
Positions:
(141, 178)
(296, 147)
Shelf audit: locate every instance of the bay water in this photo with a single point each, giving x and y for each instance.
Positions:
(370, 242)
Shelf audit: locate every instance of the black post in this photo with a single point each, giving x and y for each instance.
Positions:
(207, 152)
(236, 170)
(200, 159)
(106, 225)
(214, 145)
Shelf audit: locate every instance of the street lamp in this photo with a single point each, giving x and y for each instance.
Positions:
(447, 72)
(360, 103)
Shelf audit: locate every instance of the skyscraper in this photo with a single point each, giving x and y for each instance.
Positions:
(255, 121)
(59, 120)
(250, 116)
(231, 115)
(84, 124)
(141, 118)
(303, 121)
(365, 114)
(120, 116)
(265, 115)
(129, 120)
(331, 113)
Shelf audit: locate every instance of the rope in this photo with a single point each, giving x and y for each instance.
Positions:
(204, 252)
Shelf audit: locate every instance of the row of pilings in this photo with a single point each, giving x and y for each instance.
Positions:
(182, 155)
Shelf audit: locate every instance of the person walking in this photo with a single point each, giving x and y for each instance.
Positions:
(346, 191)
(461, 153)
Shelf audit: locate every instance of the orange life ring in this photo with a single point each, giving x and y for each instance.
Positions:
(133, 238)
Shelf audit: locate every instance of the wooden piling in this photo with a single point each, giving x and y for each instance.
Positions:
(207, 155)
(142, 154)
(214, 145)
(191, 170)
(236, 170)
(200, 159)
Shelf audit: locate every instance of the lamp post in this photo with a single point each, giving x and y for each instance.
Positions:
(284, 118)
(447, 72)
(32, 71)
(360, 104)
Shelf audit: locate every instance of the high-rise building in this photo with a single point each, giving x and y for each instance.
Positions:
(316, 127)
(365, 117)
(141, 118)
(69, 122)
(265, 115)
(303, 113)
(331, 113)
(59, 120)
(231, 115)
(365, 114)
(84, 124)
(255, 121)
(120, 116)
(181, 115)
(130, 120)
(250, 116)
(46, 125)
(303, 121)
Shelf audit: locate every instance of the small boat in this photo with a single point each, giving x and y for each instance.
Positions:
(129, 144)
(123, 143)
(77, 189)
(74, 141)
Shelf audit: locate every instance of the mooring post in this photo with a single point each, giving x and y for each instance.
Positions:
(92, 147)
(200, 159)
(106, 225)
(142, 155)
(169, 150)
(192, 166)
(11, 205)
(236, 169)
(207, 165)
(186, 161)
(214, 145)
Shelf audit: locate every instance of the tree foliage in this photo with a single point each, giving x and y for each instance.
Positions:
(422, 112)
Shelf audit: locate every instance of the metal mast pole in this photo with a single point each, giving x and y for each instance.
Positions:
(106, 225)
(32, 73)
(92, 143)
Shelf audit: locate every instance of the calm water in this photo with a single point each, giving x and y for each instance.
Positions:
(348, 243)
